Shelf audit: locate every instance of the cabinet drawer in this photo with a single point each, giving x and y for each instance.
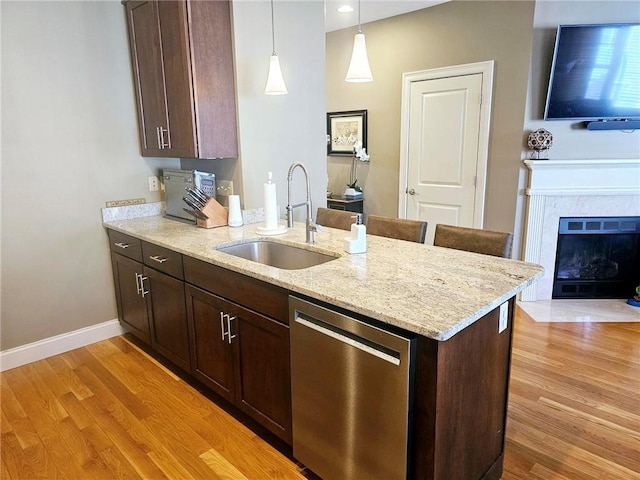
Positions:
(257, 295)
(162, 259)
(125, 245)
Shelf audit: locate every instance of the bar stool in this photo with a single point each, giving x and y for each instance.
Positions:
(399, 228)
(329, 217)
(488, 242)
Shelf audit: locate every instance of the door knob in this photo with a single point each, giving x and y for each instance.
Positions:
(412, 192)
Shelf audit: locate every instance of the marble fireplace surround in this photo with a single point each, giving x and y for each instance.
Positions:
(572, 188)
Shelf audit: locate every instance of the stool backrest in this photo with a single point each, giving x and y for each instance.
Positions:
(399, 228)
(328, 217)
(488, 242)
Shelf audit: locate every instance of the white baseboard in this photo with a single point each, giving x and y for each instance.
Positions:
(32, 352)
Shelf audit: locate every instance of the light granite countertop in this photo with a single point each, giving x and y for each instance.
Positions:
(433, 291)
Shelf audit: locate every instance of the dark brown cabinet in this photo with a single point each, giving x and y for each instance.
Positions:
(211, 353)
(181, 53)
(229, 331)
(242, 356)
(461, 398)
(263, 383)
(132, 306)
(240, 353)
(168, 317)
(151, 302)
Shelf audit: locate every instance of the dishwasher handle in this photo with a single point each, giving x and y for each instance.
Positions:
(348, 338)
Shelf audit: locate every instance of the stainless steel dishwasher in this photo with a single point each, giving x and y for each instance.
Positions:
(351, 385)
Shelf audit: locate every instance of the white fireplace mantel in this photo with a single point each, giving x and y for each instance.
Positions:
(572, 188)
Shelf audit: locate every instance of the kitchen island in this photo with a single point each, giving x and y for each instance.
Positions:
(451, 300)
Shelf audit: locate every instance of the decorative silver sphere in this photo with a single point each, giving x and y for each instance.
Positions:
(540, 140)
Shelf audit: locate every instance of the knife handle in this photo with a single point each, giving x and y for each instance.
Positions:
(191, 203)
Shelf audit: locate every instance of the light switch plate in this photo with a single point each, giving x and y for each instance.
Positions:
(504, 317)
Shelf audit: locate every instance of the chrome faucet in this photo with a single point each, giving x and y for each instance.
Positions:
(311, 227)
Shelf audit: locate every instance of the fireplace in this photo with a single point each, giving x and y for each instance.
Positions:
(573, 189)
(597, 257)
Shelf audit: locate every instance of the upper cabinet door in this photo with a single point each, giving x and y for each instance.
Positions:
(213, 78)
(176, 63)
(146, 56)
(158, 42)
(183, 71)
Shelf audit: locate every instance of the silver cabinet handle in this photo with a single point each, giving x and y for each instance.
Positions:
(122, 245)
(142, 290)
(225, 317)
(138, 288)
(224, 333)
(158, 135)
(162, 142)
(140, 278)
(158, 258)
(229, 335)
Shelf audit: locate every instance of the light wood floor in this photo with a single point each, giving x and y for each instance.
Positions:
(110, 411)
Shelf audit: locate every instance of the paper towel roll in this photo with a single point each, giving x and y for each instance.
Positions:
(270, 205)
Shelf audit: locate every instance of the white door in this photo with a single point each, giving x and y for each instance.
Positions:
(445, 149)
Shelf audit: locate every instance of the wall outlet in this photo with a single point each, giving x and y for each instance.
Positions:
(224, 187)
(154, 183)
(504, 317)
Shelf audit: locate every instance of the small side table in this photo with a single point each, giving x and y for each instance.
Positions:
(339, 202)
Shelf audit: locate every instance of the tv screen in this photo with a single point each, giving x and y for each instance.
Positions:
(595, 74)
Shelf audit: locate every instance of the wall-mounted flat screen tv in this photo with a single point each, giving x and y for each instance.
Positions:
(595, 74)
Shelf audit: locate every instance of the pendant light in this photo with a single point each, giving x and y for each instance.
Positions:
(359, 70)
(275, 82)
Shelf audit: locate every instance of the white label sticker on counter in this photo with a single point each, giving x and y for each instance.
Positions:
(504, 317)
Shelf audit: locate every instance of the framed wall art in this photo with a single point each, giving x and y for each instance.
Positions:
(344, 129)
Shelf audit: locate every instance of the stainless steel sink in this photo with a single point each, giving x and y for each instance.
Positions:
(277, 255)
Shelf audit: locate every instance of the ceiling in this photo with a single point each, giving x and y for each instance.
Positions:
(370, 10)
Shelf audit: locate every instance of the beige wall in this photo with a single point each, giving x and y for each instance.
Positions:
(69, 144)
(453, 33)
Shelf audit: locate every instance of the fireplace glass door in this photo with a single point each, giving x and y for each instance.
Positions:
(597, 257)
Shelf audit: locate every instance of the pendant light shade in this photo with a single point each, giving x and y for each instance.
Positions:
(275, 81)
(359, 70)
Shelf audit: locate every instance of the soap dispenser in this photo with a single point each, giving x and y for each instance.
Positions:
(357, 241)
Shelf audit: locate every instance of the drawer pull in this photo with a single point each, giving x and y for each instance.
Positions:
(122, 245)
(158, 258)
